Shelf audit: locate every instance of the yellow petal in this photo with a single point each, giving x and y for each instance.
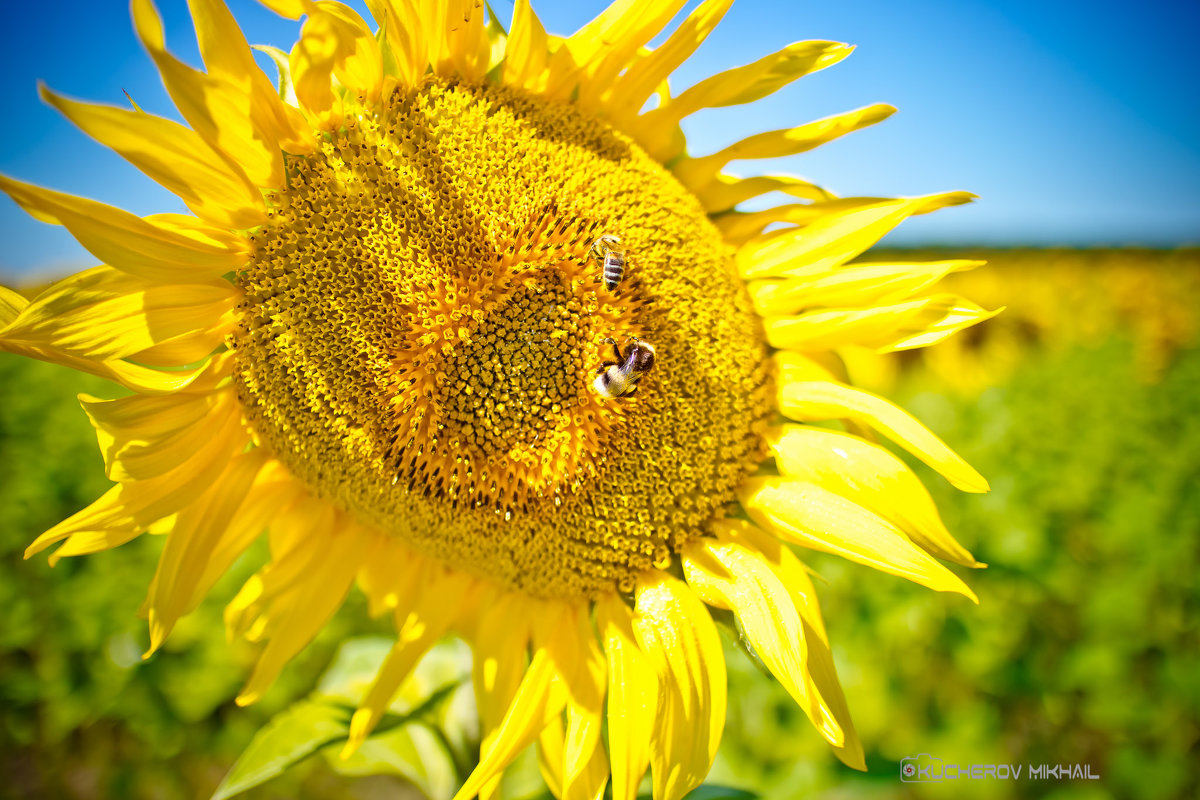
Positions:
(592, 56)
(738, 227)
(592, 776)
(128, 509)
(335, 41)
(884, 328)
(227, 55)
(149, 248)
(190, 541)
(723, 192)
(728, 574)
(190, 346)
(389, 577)
(550, 756)
(528, 50)
(630, 91)
(827, 329)
(592, 779)
(497, 38)
(292, 9)
(500, 661)
(104, 314)
(217, 106)
(272, 493)
(335, 551)
(361, 70)
(607, 45)
(97, 540)
(400, 22)
(818, 400)
(632, 697)
(585, 711)
(457, 38)
(132, 376)
(805, 514)
(143, 437)
(697, 172)
(175, 157)
(821, 674)
(674, 630)
(870, 476)
(539, 699)
(754, 81)
(438, 601)
(11, 304)
(951, 315)
(860, 284)
(289, 537)
(827, 243)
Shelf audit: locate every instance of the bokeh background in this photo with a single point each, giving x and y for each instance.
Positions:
(1079, 127)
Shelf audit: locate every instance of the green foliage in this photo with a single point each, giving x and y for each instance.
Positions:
(709, 792)
(293, 735)
(412, 741)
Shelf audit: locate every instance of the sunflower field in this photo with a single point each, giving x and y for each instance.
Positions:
(1081, 405)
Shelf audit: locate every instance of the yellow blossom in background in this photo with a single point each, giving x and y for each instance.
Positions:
(1058, 299)
(383, 336)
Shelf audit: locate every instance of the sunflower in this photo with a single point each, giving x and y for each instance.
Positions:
(403, 330)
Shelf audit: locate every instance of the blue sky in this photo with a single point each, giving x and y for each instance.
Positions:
(1078, 123)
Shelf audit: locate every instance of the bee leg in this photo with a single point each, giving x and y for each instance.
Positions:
(616, 349)
(631, 391)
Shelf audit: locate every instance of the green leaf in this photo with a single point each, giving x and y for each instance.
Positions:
(448, 663)
(720, 793)
(709, 792)
(414, 752)
(288, 738)
(405, 743)
(354, 668)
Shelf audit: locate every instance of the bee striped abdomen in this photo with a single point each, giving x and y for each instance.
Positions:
(614, 268)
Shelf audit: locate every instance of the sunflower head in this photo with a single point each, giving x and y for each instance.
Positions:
(457, 317)
(444, 386)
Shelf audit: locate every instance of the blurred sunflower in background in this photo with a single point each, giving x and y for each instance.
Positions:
(459, 318)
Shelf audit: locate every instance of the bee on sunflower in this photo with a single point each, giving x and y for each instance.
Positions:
(380, 334)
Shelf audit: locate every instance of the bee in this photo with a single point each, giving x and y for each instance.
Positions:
(619, 378)
(614, 259)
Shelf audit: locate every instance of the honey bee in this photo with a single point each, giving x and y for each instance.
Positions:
(619, 378)
(614, 259)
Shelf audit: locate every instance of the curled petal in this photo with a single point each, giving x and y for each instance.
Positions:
(858, 284)
(870, 476)
(807, 515)
(827, 243)
(806, 400)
